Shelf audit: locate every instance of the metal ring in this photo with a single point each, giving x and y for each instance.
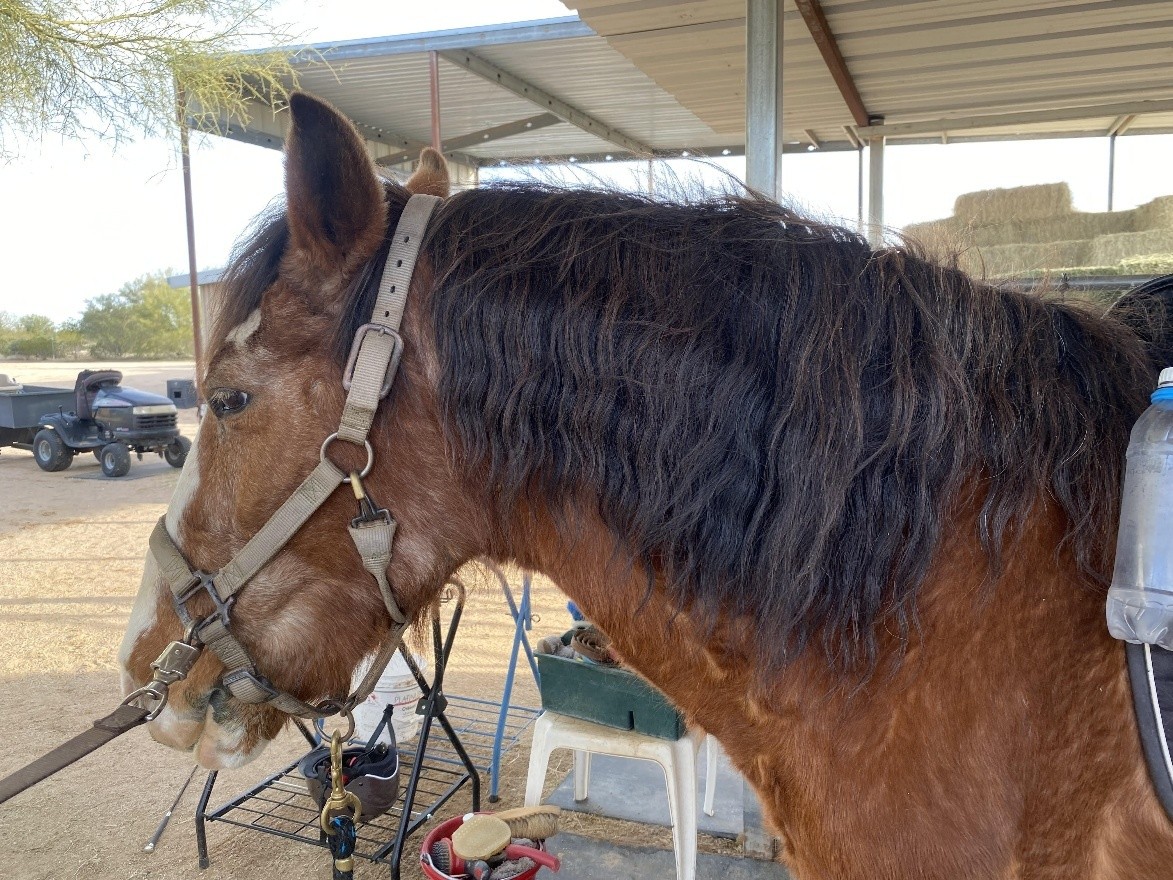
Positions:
(330, 707)
(366, 444)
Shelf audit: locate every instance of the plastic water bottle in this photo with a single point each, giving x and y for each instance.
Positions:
(1140, 602)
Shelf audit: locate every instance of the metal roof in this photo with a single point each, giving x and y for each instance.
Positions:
(649, 76)
(931, 69)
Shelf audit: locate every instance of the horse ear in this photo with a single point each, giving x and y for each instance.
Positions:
(431, 175)
(334, 199)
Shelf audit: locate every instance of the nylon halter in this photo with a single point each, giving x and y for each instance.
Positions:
(370, 371)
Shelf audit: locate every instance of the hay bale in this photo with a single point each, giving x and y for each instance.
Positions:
(996, 206)
(1110, 249)
(1014, 259)
(1157, 214)
(1150, 264)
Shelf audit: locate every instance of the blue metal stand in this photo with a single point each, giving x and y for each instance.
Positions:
(522, 621)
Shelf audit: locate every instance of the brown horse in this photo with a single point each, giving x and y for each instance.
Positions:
(854, 513)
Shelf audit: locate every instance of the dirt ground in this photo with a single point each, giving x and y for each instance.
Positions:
(71, 556)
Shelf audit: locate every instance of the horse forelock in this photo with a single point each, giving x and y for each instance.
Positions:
(257, 264)
(774, 418)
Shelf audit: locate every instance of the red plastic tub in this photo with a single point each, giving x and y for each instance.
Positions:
(445, 829)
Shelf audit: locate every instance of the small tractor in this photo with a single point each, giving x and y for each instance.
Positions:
(98, 416)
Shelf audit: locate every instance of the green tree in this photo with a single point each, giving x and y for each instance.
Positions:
(71, 342)
(7, 331)
(111, 66)
(146, 318)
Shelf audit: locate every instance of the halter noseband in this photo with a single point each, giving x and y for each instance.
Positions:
(370, 371)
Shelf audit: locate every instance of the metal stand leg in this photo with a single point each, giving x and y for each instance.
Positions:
(521, 619)
(201, 809)
(433, 703)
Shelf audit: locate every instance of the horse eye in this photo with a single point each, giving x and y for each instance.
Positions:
(227, 401)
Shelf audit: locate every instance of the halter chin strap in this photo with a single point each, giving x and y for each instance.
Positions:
(370, 371)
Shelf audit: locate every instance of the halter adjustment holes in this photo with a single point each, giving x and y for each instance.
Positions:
(227, 401)
(346, 470)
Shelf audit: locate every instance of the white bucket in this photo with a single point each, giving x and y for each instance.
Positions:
(396, 687)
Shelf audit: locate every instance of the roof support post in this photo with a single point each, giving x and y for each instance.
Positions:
(763, 96)
(876, 191)
(189, 216)
(859, 221)
(1111, 167)
(434, 83)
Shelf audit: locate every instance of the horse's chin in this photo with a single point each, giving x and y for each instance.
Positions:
(215, 745)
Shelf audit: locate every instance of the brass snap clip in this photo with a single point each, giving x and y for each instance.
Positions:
(340, 800)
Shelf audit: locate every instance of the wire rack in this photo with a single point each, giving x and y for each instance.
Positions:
(280, 804)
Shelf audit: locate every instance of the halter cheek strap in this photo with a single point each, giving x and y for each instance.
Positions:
(370, 372)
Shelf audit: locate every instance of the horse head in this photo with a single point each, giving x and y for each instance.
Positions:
(272, 379)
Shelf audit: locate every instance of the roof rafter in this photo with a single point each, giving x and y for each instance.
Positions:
(1024, 117)
(484, 136)
(473, 63)
(824, 37)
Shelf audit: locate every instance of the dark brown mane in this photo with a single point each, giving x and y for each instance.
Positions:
(775, 417)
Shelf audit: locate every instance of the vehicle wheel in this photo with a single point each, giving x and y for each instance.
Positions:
(115, 460)
(176, 452)
(50, 451)
(98, 454)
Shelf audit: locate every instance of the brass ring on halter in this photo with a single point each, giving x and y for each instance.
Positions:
(370, 457)
(330, 707)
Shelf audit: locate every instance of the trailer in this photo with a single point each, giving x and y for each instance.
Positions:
(22, 408)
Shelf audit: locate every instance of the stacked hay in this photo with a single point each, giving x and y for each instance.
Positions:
(1033, 229)
(993, 207)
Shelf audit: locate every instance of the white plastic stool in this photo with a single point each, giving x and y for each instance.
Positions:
(676, 757)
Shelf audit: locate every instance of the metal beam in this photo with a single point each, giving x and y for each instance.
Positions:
(434, 93)
(484, 136)
(564, 111)
(876, 191)
(1025, 117)
(1111, 168)
(763, 96)
(816, 21)
(562, 28)
(1121, 124)
(267, 128)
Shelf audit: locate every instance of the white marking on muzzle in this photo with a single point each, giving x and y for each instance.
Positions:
(144, 612)
(185, 489)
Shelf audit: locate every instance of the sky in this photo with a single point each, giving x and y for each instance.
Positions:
(81, 219)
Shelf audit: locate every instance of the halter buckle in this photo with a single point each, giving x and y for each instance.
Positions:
(245, 675)
(206, 582)
(392, 361)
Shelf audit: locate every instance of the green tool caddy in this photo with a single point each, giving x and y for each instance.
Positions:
(606, 695)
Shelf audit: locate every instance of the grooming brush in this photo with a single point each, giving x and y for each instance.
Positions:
(513, 868)
(479, 869)
(540, 856)
(445, 860)
(536, 823)
(480, 837)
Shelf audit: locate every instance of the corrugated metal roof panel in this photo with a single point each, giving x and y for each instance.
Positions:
(671, 75)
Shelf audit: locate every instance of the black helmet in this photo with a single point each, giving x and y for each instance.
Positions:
(370, 773)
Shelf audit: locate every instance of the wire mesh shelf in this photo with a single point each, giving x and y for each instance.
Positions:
(280, 805)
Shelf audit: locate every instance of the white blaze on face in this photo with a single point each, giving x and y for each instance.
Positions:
(241, 333)
(142, 614)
